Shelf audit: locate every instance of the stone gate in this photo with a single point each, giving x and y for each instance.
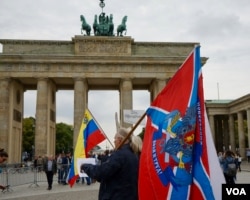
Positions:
(82, 64)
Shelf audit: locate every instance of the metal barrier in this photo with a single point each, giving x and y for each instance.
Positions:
(12, 176)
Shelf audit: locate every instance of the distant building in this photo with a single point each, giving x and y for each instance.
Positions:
(230, 123)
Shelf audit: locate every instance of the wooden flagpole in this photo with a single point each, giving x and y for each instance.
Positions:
(132, 130)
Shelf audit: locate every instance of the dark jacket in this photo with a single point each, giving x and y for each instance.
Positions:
(225, 163)
(118, 175)
(54, 166)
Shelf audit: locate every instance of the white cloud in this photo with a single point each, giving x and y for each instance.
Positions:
(222, 28)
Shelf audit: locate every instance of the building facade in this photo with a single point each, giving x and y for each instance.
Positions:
(230, 124)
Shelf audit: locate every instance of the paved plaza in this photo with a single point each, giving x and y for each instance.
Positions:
(79, 191)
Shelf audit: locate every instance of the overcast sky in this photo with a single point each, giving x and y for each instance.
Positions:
(221, 27)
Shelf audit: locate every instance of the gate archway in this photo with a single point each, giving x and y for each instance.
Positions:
(82, 64)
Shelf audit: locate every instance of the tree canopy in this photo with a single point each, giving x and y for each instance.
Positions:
(64, 136)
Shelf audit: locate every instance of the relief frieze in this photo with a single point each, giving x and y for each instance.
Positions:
(103, 46)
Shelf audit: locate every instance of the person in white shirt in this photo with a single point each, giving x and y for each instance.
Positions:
(50, 168)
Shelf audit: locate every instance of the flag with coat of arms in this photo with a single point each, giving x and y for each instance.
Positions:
(178, 159)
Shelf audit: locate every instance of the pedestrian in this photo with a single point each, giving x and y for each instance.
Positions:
(3, 157)
(248, 155)
(104, 156)
(220, 157)
(229, 167)
(118, 175)
(66, 161)
(88, 180)
(50, 170)
(239, 160)
(59, 168)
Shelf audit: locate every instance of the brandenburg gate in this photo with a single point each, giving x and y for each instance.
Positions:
(81, 64)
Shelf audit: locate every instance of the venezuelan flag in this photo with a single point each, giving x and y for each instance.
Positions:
(89, 136)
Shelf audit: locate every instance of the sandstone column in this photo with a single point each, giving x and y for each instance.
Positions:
(248, 126)
(80, 104)
(15, 137)
(220, 136)
(241, 134)
(126, 99)
(4, 113)
(226, 132)
(231, 132)
(11, 114)
(51, 139)
(211, 122)
(42, 117)
(156, 88)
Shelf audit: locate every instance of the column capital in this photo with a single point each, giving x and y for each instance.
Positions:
(79, 78)
(42, 78)
(126, 79)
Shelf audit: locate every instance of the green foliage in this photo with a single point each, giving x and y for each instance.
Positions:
(28, 133)
(64, 136)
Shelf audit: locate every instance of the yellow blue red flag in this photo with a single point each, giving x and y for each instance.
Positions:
(89, 136)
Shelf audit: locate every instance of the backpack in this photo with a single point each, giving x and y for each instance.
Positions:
(231, 169)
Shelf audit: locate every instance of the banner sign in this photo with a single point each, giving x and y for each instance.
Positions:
(132, 116)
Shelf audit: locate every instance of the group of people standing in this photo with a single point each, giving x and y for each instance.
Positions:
(63, 165)
(54, 165)
(230, 164)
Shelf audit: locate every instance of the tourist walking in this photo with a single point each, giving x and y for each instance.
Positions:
(50, 169)
(229, 167)
(239, 160)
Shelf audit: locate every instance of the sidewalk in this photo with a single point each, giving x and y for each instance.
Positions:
(79, 191)
(245, 166)
(60, 192)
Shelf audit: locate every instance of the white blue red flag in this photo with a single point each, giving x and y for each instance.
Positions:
(175, 162)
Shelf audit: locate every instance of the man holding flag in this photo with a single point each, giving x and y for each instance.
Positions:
(89, 136)
(175, 162)
(118, 175)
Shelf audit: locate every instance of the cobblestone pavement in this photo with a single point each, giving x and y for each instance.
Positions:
(79, 191)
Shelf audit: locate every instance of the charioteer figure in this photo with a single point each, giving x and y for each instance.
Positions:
(103, 25)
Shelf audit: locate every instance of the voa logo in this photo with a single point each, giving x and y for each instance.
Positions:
(236, 191)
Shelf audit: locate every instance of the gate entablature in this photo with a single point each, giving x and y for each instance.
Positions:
(83, 64)
(154, 50)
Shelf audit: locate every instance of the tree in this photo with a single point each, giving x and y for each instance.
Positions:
(64, 138)
(28, 134)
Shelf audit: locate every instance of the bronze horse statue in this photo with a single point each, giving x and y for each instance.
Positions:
(85, 25)
(105, 26)
(122, 26)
